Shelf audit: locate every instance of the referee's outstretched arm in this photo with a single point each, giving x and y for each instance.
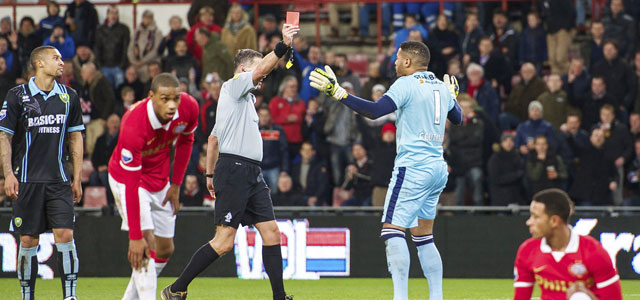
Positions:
(269, 62)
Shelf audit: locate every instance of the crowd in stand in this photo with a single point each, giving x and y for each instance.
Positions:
(547, 102)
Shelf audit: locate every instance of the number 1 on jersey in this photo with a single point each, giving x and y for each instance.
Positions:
(436, 98)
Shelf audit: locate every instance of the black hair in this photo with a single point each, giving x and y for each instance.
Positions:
(418, 50)
(556, 203)
(164, 80)
(37, 54)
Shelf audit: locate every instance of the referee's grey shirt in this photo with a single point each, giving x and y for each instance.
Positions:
(237, 120)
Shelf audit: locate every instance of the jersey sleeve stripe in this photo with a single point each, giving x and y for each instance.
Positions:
(76, 128)
(130, 168)
(519, 284)
(608, 282)
(7, 130)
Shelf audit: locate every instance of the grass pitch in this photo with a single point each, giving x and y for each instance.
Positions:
(324, 289)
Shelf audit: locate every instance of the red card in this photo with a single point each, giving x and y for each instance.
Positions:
(293, 18)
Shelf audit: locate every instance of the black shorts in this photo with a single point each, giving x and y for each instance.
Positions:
(42, 206)
(242, 195)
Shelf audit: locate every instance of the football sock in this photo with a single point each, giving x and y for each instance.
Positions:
(431, 264)
(68, 265)
(199, 261)
(272, 259)
(27, 271)
(160, 262)
(398, 261)
(145, 279)
(130, 293)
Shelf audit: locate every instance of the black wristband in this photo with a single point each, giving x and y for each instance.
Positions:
(281, 49)
(208, 175)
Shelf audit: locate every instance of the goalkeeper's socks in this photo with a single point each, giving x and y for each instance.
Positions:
(68, 265)
(398, 261)
(431, 264)
(160, 262)
(272, 259)
(199, 261)
(27, 271)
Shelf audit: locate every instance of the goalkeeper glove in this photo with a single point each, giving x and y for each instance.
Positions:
(326, 82)
(452, 84)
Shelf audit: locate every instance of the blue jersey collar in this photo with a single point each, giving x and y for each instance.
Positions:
(35, 90)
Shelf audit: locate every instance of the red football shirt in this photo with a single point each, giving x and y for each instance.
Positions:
(141, 157)
(584, 259)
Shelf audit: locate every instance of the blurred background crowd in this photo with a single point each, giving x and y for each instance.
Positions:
(549, 93)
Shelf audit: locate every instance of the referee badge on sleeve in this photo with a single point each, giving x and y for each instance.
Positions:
(64, 97)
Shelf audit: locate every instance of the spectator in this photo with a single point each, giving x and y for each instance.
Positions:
(286, 194)
(287, 110)
(576, 138)
(632, 178)
(618, 76)
(402, 35)
(143, 49)
(215, 56)
(465, 144)
(306, 66)
(27, 41)
(271, 84)
(7, 79)
(559, 16)
(181, 63)
(554, 102)
(269, 28)
(591, 103)
(128, 97)
(528, 89)
(334, 18)
(9, 57)
(527, 131)
(177, 33)
(591, 50)
(504, 37)
(98, 91)
(359, 178)
(53, 18)
(131, 80)
(374, 79)
(365, 11)
(636, 69)
(81, 19)
(497, 69)
(237, 32)
(213, 84)
(544, 168)
(533, 43)
(344, 74)
(105, 145)
(445, 39)
(68, 77)
(634, 125)
(471, 39)
(384, 152)
(431, 10)
(621, 28)
(205, 20)
(313, 129)
(112, 43)
(83, 55)
(505, 173)
(275, 160)
(220, 7)
(618, 146)
(310, 177)
(577, 82)
(61, 41)
(596, 177)
(192, 193)
(482, 92)
(400, 11)
(153, 68)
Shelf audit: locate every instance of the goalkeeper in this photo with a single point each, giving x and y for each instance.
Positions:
(420, 172)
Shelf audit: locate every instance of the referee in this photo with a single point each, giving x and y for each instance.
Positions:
(35, 122)
(241, 193)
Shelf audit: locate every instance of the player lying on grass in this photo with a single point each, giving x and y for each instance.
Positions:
(420, 173)
(564, 264)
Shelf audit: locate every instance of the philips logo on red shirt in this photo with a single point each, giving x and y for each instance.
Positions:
(126, 155)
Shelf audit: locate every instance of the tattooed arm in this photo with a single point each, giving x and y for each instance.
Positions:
(10, 181)
(76, 148)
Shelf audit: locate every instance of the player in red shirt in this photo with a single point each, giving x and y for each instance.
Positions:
(139, 177)
(558, 259)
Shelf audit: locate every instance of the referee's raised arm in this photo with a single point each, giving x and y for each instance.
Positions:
(269, 62)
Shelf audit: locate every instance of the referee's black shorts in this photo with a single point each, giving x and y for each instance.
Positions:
(41, 207)
(242, 195)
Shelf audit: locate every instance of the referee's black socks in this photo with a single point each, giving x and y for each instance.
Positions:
(199, 261)
(27, 271)
(272, 259)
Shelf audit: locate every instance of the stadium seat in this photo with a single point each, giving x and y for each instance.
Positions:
(95, 196)
(358, 63)
(87, 169)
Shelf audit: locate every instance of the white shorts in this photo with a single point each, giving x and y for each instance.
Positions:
(153, 216)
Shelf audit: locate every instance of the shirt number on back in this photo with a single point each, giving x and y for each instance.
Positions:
(436, 98)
